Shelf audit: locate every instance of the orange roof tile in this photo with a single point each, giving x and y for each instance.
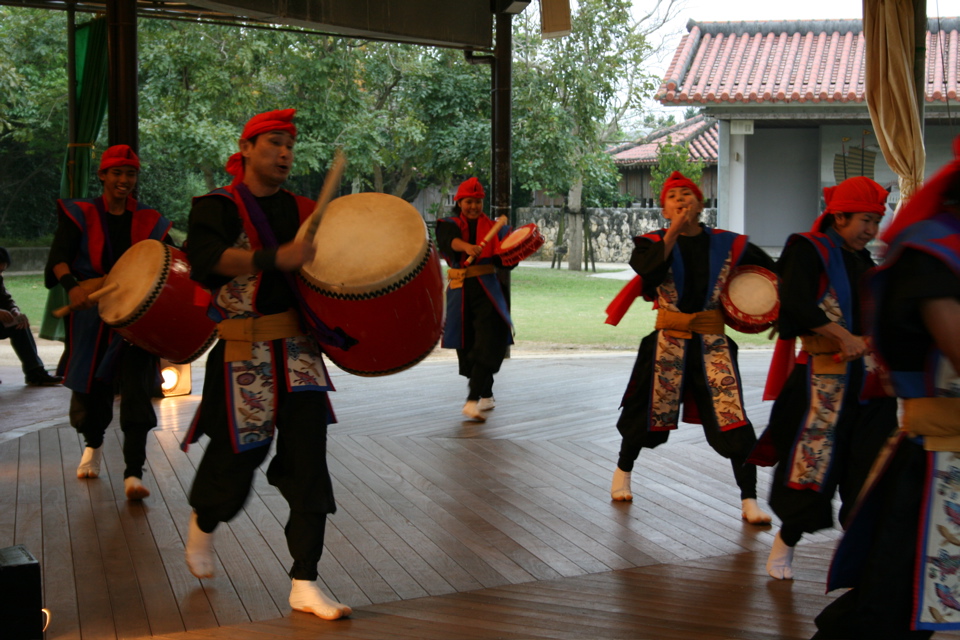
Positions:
(700, 133)
(792, 62)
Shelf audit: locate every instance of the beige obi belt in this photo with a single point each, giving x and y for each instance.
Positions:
(457, 276)
(683, 325)
(241, 333)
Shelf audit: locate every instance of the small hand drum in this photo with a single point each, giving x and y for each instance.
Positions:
(520, 245)
(751, 302)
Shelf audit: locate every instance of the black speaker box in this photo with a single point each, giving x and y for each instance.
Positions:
(21, 601)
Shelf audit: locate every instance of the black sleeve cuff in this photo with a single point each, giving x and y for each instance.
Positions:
(265, 259)
(68, 282)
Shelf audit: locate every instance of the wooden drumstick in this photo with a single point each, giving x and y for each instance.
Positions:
(330, 184)
(96, 295)
(502, 220)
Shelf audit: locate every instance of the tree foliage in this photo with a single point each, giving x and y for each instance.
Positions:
(674, 157)
(407, 117)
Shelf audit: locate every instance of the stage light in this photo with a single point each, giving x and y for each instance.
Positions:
(175, 379)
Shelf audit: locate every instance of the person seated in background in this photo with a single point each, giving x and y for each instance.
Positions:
(15, 326)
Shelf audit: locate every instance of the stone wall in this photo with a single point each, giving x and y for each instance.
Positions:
(27, 259)
(611, 230)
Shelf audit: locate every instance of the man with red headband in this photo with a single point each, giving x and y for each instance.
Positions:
(827, 422)
(899, 554)
(478, 323)
(91, 236)
(688, 356)
(265, 375)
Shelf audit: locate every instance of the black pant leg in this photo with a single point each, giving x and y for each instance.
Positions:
(223, 481)
(91, 413)
(138, 373)
(24, 346)
(299, 471)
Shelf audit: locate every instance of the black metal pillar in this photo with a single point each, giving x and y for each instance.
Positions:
(122, 98)
(502, 121)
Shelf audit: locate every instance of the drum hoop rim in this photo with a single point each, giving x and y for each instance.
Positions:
(141, 309)
(351, 293)
(758, 322)
(532, 238)
(214, 336)
(386, 372)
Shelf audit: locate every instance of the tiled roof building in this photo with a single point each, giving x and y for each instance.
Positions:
(793, 63)
(698, 133)
(788, 99)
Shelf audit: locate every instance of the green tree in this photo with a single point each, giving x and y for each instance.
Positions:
(571, 95)
(674, 157)
(33, 126)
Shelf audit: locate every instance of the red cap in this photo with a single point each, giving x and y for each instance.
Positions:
(470, 188)
(854, 195)
(278, 120)
(119, 155)
(675, 180)
(928, 201)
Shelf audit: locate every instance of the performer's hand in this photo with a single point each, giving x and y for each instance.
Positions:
(690, 215)
(295, 254)
(852, 347)
(79, 299)
(22, 322)
(474, 250)
(6, 318)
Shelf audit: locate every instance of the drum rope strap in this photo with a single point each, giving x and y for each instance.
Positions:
(457, 276)
(241, 333)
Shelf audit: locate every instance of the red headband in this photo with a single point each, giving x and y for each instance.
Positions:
(928, 201)
(470, 188)
(854, 195)
(119, 155)
(279, 120)
(675, 180)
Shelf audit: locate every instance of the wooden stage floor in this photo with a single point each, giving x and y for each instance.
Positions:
(445, 529)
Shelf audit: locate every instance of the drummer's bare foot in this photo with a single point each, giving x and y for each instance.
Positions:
(472, 411)
(620, 488)
(90, 463)
(780, 560)
(753, 514)
(307, 596)
(485, 404)
(133, 488)
(199, 550)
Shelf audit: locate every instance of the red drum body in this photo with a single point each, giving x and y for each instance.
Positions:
(157, 306)
(750, 300)
(520, 245)
(376, 275)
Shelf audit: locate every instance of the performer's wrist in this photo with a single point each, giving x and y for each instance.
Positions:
(68, 282)
(265, 259)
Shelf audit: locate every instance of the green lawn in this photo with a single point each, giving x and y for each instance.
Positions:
(551, 308)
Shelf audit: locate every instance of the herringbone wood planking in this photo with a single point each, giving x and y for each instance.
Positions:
(445, 528)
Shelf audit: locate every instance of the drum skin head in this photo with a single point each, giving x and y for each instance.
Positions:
(136, 272)
(753, 294)
(751, 301)
(365, 242)
(516, 237)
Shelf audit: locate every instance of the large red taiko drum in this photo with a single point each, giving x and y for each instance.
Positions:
(376, 276)
(156, 305)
